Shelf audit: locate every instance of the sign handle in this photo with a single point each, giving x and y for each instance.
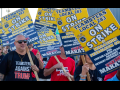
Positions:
(83, 60)
(31, 61)
(62, 67)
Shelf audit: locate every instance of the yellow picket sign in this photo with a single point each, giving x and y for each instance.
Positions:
(96, 30)
(47, 37)
(68, 17)
(46, 26)
(13, 21)
(1, 27)
(46, 15)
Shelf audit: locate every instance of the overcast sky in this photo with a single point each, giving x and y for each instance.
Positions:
(33, 12)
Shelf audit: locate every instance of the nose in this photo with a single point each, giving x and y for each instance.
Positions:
(23, 43)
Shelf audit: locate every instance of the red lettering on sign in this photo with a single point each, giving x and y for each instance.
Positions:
(113, 61)
(76, 48)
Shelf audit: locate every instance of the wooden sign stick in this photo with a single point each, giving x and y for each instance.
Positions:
(83, 60)
(31, 61)
(62, 67)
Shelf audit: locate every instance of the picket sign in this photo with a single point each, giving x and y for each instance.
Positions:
(31, 61)
(83, 60)
(62, 67)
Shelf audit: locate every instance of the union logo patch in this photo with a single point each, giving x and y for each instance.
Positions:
(82, 39)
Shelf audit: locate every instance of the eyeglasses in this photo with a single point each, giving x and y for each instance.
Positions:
(20, 41)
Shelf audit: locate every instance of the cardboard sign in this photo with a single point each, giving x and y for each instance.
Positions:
(99, 36)
(5, 40)
(71, 45)
(66, 19)
(45, 25)
(19, 22)
(69, 17)
(115, 12)
(46, 15)
(1, 27)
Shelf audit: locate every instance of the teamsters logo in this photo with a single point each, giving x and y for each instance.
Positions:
(83, 39)
(6, 25)
(40, 12)
(59, 22)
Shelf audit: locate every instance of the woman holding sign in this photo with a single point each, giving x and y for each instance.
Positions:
(81, 71)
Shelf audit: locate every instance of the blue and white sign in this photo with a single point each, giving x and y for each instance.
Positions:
(71, 45)
(108, 60)
(5, 40)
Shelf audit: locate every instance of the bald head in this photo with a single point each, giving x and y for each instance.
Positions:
(20, 47)
(19, 37)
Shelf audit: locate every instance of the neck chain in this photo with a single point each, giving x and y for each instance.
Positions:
(21, 58)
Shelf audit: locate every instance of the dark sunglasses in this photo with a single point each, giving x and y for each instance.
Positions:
(20, 41)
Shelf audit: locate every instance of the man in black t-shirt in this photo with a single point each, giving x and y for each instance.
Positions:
(21, 67)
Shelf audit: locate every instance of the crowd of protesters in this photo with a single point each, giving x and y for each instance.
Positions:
(16, 66)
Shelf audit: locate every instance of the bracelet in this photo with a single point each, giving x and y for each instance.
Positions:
(82, 79)
(82, 75)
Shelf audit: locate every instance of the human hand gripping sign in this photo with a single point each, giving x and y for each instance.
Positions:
(32, 64)
(85, 69)
(60, 65)
(39, 57)
(34, 68)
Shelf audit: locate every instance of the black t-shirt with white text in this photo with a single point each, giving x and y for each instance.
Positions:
(19, 71)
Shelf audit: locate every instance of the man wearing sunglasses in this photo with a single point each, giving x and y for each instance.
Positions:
(21, 67)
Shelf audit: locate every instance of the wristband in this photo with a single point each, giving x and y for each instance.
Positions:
(82, 75)
(82, 79)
